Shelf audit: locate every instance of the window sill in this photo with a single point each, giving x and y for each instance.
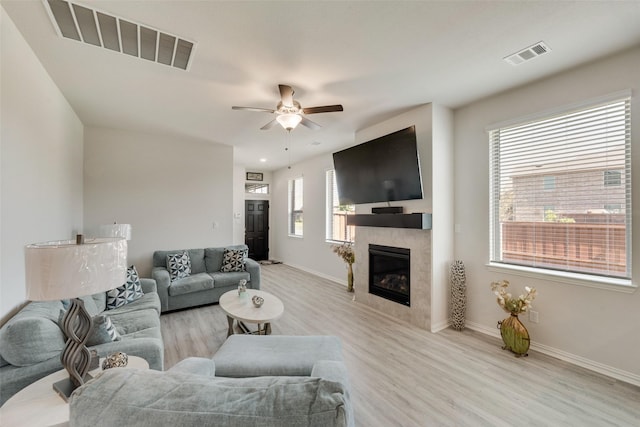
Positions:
(338, 242)
(608, 283)
(295, 236)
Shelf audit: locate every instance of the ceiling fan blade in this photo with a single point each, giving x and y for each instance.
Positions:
(269, 125)
(323, 109)
(308, 123)
(260, 110)
(286, 94)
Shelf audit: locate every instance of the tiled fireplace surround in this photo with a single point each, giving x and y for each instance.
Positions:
(419, 242)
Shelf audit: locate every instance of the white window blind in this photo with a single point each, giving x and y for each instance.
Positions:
(256, 188)
(337, 228)
(295, 207)
(561, 191)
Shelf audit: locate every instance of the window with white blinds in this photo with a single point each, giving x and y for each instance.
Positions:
(337, 228)
(295, 207)
(561, 191)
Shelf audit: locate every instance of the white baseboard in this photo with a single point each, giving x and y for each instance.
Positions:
(598, 367)
(317, 273)
(439, 326)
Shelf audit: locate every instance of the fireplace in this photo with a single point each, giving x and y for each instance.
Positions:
(389, 276)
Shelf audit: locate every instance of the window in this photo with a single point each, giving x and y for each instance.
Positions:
(337, 228)
(256, 188)
(549, 182)
(612, 178)
(295, 207)
(584, 224)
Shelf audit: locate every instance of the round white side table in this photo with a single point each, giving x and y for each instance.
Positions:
(243, 311)
(38, 404)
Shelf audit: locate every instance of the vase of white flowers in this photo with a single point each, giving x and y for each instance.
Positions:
(514, 334)
(345, 251)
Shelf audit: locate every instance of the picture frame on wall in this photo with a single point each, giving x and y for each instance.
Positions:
(254, 176)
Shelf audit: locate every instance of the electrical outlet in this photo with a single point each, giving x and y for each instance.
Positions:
(533, 316)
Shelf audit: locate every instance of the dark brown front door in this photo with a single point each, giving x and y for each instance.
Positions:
(256, 235)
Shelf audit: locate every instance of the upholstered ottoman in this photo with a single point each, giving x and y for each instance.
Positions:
(259, 355)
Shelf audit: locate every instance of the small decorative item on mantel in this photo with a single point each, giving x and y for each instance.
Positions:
(513, 332)
(345, 251)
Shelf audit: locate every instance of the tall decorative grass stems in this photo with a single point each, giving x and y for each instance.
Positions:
(514, 334)
(345, 251)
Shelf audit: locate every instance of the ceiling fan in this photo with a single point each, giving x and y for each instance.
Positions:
(289, 112)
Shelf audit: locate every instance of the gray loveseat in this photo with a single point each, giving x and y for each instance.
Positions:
(266, 381)
(206, 282)
(31, 341)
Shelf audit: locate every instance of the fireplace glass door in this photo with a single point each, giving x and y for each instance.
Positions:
(389, 277)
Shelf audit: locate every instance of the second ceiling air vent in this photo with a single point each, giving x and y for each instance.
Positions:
(96, 28)
(527, 53)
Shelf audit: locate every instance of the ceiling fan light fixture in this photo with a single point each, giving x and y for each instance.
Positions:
(289, 121)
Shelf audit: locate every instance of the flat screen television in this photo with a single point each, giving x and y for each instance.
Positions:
(384, 169)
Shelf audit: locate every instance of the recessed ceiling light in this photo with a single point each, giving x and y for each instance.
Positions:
(263, 160)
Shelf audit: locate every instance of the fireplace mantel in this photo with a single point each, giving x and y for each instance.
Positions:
(420, 221)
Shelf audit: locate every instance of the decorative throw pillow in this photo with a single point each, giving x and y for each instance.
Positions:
(179, 265)
(130, 291)
(26, 341)
(233, 260)
(102, 330)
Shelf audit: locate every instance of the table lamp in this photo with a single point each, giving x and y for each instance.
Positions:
(70, 269)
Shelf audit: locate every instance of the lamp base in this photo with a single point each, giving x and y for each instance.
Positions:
(75, 357)
(65, 387)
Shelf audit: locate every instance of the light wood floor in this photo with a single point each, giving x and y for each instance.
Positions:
(405, 376)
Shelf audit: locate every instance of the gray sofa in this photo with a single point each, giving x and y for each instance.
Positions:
(206, 283)
(261, 381)
(32, 340)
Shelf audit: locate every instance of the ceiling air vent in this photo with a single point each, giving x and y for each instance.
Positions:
(527, 53)
(90, 26)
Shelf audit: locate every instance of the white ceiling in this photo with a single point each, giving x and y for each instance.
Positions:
(375, 58)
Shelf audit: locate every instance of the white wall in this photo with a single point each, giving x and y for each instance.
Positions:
(594, 327)
(41, 162)
(442, 179)
(310, 252)
(238, 204)
(170, 189)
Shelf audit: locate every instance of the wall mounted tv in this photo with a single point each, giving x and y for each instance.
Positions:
(384, 169)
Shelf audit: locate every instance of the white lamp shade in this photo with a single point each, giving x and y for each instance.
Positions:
(122, 231)
(289, 121)
(63, 269)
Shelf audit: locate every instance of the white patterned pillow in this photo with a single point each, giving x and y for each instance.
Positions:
(233, 260)
(179, 265)
(103, 331)
(130, 291)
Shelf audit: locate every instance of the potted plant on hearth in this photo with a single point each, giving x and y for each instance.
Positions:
(513, 332)
(345, 251)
